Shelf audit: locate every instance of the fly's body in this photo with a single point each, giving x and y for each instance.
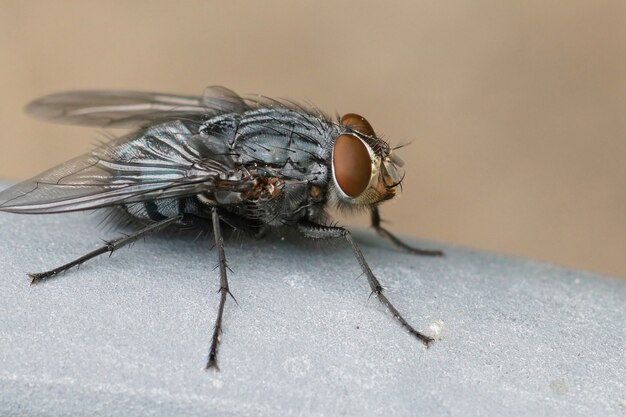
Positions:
(217, 159)
(266, 175)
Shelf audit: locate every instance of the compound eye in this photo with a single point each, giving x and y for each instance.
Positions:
(358, 123)
(352, 165)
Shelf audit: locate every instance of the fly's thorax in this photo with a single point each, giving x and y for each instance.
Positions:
(363, 170)
(285, 142)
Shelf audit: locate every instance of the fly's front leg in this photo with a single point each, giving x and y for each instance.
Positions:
(376, 220)
(110, 247)
(224, 290)
(316, 231)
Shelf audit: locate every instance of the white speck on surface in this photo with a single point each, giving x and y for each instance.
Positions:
(559, 386)
(436, 328)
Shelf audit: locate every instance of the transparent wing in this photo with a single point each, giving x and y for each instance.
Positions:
(163, 161)
(111, 108)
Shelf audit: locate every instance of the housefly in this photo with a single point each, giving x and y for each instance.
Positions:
(216, 160)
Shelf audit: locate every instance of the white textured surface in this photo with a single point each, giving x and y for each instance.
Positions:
(129, 335)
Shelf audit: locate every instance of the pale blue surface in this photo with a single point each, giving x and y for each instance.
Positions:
(129, 335)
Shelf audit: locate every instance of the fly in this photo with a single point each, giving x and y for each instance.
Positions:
(218, 159)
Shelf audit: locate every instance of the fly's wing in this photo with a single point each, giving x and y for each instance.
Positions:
(112, 109)
(162, 161)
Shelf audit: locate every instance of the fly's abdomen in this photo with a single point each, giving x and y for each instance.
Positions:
(159, 210)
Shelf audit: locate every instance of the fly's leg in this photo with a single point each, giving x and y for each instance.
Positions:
(316, 231)
(110, 247)
(376, 220)
(224, 291)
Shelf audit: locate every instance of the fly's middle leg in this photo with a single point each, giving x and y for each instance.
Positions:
(316, 231)
(224, 291)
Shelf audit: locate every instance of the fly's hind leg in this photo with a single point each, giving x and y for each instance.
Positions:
(376, 224)
(317, 231)
(110, 247)
(224, 291)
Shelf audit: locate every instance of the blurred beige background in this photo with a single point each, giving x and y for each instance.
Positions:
(515, 109)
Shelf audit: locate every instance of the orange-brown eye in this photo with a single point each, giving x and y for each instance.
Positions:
(358, 123)
(352, 165)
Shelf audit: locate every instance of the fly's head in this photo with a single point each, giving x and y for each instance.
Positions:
(364, 171)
